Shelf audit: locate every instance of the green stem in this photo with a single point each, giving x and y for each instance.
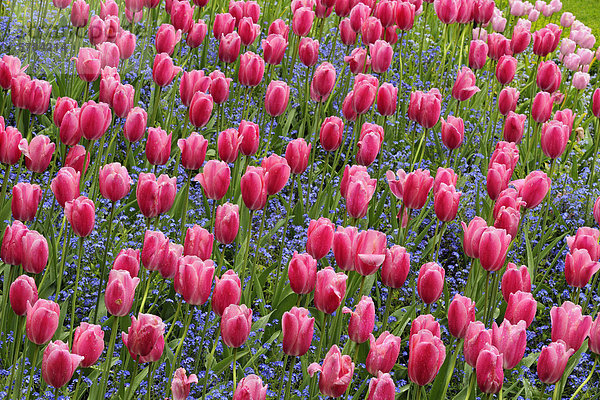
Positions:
(487, 296)
(74, 297)
(586, 379)
(209, 364)
(285, 360)
(36, 353)
(150, 373)
(386, 314)
(288, 385)
(185, 205)
(109, 354)
(5, 182)
(188, 321)
(104, 260)
(234, 369)
(174, 319)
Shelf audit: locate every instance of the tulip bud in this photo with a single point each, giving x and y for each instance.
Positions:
(12, 251)
(115, 182)
(521, 307)
(58, 365)
(505, 69)
(569, 325)
(38, 153)
(274, 47)
(515, 279)
(155, 196)
(297, 154)
(330, 134)
(253, 187)
(277, 173)
(42, 321)
(464, 87)
(382, 387)
(227, 291)
(249, 134)
(552, 362)
(297, 330)
(336, 372)
(236, 323)
(227, 223)
(425, 357)
(277, 98)
(198, 242)
(88, 342)
(22, 292)
(536, 186)
(430, 282)
(25, 200)
(322, 82)
(362, 321)
(94, 119)
(383, 353)
(229, 47)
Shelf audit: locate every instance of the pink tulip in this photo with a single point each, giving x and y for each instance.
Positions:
(430, 282)
(227, 291)
(274, 47)
(490, 374)
(383, 353)
(23, 291)
(302, 21)
(250, 387)
(426, 355)
(81, 213)
(297, 328)
(198, 242)
(552, 362)
(58, 364)
(201, 107)
(511, 342)
(461, 313)
(94, 119)
(362, 321)
(515, 279)
(146, 332)
(193, 280)
(25, 200)
(163, 70)
(395, 267)
(236, 323)
(227, 223)
(35, 252)
(88, 342)
(478, 51)
(155, 196)
(128, 260)
(120, 291)
(229, 47)
(277, 98)
(251, 70)
(253, 188)
(476, 339)
(464, 87)
(330, 289)
(193, 151)
(521, 307)
(42, 321)
(534, 189)
(180, 385)
(336, 372)
(80, 12)
(135, 124)
(569, 325)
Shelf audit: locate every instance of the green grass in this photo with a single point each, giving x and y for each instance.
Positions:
(587, 11)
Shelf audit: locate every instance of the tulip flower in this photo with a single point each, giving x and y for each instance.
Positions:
(579, 268)
(135, 124)
(322, 82)
(476, 339)
(23, 291)
(445, 203)
(193, 279)
(227, 291)
(461, 313)
(81, 214)
(514, 126)
(319, 237)
(193, 151)
(297, 154)
(88, 342)
(25, 200)
(229, 47)
(155, 196)
(180, 385)
(35, 252)
(426, 355)
(163, 70)
(534, 189)
(453, 132)
(331, 132)
(569, 325)
(515, 279)
(521, 307)
(464, 87)
(201, 107)
(94, 119)
(395, 267)
(58, 364)
(585, 238)
(490, 374)
(430, 282)
(362, 321)
(369, 249)
(511, 342)
(277, 98)
(336, 372)
(274, 47)
(297, 328)
(192, 82)
(198, 242)
(249, 135)
(12, 251)
(42, 321)
(145, 332)
(214, 179)
(120, 291)
(236, 322)
(383, 353)
(552, 362)
(250, 387)
(115, 182)
(227, 223)
(329, 290)
(253, 188)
